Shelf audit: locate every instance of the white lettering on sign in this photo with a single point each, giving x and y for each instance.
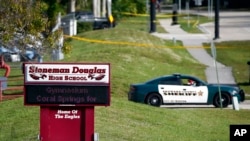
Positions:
(67, 114)
(240, 132)
(74, 90)
(65, 73)
(34, 69)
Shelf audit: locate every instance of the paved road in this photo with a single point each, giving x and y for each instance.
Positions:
(234, 26)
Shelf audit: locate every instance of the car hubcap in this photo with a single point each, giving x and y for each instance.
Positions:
(154, 101)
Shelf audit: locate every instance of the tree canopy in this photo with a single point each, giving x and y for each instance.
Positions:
(29, 23)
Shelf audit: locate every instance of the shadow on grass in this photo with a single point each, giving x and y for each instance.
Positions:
(244, 84)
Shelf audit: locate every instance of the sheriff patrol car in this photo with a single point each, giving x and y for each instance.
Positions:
(183, 89)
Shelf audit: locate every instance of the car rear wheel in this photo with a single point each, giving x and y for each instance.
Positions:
(154, 99)
(225, 100)
(104, 26)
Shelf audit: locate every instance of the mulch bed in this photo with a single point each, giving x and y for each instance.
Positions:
(11, 96)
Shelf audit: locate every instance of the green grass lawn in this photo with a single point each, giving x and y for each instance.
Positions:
(136, 56)
(126, 121)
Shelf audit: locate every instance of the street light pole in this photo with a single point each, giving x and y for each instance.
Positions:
(152, 16)
(175, 13)
(216, 20)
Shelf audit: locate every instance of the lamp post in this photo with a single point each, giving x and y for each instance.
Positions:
(216, 20)
(152, 16)
(175, 13)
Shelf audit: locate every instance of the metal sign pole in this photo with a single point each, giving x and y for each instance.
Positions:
(213, 50)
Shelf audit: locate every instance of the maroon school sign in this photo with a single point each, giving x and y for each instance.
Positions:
(67, 84)
(67, 94)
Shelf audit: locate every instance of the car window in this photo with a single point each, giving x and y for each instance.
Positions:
(170, 81)
(189, 82)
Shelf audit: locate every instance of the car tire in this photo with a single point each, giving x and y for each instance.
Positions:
(154, 99)
(104, 26)
(225, 100)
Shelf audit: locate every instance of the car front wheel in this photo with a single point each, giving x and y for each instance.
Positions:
(225, 100)
(154, 100)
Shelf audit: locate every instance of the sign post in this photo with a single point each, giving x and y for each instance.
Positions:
(213, 50)
(67, 94)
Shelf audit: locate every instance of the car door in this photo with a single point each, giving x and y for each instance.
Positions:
(180, 92)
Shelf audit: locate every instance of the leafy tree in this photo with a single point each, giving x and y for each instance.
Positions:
(25, 23)
(128, 6)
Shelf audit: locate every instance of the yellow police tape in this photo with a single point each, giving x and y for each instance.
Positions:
(157, 15)
(133, 43)
(196, 22)
(114, 42)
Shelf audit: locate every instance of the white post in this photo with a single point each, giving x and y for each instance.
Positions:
(72, 5)
(96, 136)
(104, 11)
(208, 8)
(180, 6)
(110, 17)
(95, 8)
(75, 27)
(236, 103)
(109, 4)
(98, 8)
(211, 8)
(187, 12)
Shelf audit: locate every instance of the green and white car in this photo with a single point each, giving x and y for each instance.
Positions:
(183, 89)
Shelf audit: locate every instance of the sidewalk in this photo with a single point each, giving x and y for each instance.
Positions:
(233, 26)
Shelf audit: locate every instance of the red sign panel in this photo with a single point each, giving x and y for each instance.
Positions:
(66, 123)
(67, 84)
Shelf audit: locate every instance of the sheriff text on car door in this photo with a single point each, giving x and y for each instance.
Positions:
(183, 94)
